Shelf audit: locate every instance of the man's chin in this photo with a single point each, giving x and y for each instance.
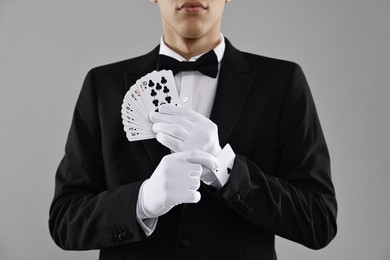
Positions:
(193, 33)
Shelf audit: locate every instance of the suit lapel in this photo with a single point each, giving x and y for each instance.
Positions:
(146, 64)
(234, 85)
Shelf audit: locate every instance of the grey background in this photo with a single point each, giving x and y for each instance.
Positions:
(47, 46)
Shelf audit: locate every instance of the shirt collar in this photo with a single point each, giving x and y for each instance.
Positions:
(165, 50)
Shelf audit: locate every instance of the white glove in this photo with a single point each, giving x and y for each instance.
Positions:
(175, 180)
(182, 129)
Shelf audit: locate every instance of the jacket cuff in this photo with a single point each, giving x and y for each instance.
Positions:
(219, 177)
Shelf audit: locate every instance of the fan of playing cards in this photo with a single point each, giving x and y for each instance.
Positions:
(146, 96)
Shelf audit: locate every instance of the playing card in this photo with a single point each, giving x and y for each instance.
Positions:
(160, 89)
(136, 124)
(146, 96)
(135, 129)
(131, 117)
(134, 132)
(134, 98)
(141, 85)
(133, 138)
(130, 109)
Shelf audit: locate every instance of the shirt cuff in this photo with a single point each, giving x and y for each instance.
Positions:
(218, 177)
(148, 225)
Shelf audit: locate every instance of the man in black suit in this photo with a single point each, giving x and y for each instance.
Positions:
(242, 160)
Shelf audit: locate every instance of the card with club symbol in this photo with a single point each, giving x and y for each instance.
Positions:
(144, 97)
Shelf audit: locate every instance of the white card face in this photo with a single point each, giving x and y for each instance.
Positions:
(160, 89)
(146, 96)
(130, 109)
(141, 92)
(134, 97)
(137, 125)
(130, 118)
(135, 132)
(131, 137)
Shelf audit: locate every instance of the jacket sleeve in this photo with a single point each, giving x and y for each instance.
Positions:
(85, 214)
(298, 201)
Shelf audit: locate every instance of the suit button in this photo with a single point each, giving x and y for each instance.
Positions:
(236, 198)
(115, 238)
(184, 243)
(127, 236)
(244, 206)
(249, 210)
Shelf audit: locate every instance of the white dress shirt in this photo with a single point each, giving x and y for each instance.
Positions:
(196, 91)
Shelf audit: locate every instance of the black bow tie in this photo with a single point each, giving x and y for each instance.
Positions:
(206, 64)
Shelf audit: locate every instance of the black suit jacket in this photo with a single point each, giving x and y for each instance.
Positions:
(280, 183)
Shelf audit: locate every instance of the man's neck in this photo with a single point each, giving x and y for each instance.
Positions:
(188, 47)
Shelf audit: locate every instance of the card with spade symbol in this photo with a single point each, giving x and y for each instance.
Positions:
(146, 96)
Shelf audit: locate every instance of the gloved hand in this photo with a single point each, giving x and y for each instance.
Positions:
(175, 180)
(182, 129)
